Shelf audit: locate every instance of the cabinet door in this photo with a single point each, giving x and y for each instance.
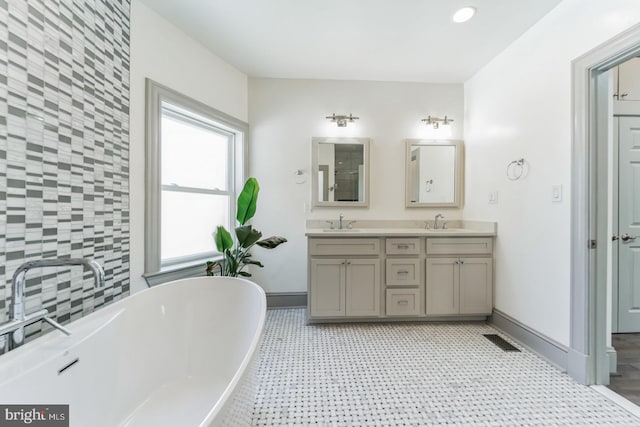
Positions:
(442, 286)
(476, 285)
(629, 80)
(363, 287)
(327, 287)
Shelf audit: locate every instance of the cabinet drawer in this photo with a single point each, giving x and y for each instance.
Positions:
(459, 245)
(403, 246)
(403, 271)
(403, 302)
(341, 246)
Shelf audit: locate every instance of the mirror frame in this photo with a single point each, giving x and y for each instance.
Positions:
(458, 174)
(315, 141)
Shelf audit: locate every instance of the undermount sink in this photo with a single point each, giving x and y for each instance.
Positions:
(333, 230)
(447, 230)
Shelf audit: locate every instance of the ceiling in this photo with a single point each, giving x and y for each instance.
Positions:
(384, 40)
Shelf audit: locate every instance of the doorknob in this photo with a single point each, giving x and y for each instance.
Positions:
(626, 238)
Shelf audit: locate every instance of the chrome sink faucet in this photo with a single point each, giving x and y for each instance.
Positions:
(340, 222)
(435, 221)
(19, 319)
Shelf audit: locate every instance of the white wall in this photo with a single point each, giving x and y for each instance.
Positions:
(285, 114)
(165, 54)
(519, 105)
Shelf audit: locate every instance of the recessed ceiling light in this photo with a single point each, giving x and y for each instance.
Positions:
(464, 14)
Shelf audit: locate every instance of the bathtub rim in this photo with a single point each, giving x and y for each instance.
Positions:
(14, 359)
(251, 351)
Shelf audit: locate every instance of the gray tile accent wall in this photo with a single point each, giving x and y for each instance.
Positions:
(64, 150)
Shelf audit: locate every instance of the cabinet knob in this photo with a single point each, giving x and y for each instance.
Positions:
(461, 262)
(348, 262)
(622, 95)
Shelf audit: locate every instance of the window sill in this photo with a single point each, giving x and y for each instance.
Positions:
(178, 271)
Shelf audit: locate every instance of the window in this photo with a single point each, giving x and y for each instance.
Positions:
(195, 162)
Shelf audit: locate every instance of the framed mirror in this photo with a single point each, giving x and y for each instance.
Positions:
(434, 173)
(340, 171)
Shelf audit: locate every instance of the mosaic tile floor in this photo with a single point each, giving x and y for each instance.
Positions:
(413, 374)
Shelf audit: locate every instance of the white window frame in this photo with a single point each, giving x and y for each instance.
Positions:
(158, 95)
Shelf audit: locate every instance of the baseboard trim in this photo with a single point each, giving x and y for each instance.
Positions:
(286, 299)
(613, 360)
(546, 347)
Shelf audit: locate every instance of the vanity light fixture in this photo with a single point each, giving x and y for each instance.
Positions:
(464, 14)
(435, 121)
(342, 119)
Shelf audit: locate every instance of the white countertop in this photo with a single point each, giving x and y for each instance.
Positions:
(457, 228)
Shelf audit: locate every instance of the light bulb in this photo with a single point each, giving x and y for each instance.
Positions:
(464, 14)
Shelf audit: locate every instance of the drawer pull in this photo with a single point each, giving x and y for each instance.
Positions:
(403, 272)
(403, 302)
(403, 246)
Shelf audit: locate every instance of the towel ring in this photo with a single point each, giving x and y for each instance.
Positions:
(515, 169)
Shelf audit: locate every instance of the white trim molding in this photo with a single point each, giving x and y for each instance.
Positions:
(546, 347)
(587, 357)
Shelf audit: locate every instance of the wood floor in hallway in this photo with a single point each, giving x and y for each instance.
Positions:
(626, 382)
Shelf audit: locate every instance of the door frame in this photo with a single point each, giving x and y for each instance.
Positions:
(587, 355)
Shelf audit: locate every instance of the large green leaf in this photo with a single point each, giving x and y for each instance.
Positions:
(271, 242)
(247, 201)
(247, 236)
(223, 239)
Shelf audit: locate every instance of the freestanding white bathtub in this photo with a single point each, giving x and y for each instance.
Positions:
(179, 354)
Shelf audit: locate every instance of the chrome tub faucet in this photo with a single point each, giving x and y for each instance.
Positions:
(19, 319)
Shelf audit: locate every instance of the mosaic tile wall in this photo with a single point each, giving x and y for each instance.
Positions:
(64, 149)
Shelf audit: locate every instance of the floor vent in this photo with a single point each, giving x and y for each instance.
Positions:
(501, 342)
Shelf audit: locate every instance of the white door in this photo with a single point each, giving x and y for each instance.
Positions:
(629, 225)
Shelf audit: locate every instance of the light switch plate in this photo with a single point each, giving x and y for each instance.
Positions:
(556, 193)
(493, 198)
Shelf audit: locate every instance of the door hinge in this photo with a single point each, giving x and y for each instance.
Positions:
(592, 244)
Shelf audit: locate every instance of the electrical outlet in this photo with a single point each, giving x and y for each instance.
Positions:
(307, 207)
(493, 198)
(556, 193)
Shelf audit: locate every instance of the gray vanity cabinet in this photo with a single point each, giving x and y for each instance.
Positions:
(459, 276)
(344, 278)
(327, 287)
(400, 278)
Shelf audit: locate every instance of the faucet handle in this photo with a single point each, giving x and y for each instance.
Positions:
(57, 325)
(427, 226)
(350, 224)
(330, 224)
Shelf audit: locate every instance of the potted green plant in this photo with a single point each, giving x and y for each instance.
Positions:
(236, 255)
